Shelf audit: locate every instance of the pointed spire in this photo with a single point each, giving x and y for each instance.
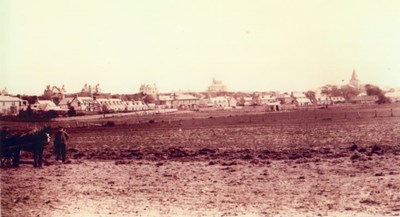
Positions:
(354, 75)
(354, 79)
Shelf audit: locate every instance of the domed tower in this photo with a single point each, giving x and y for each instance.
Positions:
(354, 80)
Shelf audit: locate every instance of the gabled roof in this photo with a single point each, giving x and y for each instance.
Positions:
(165, 98)
(219, 98)
(186, 97)
(84, 99)
(47, 102)
(9, 99)
(66, 101)
(283, 96)
(101, 99)
(248, 98)
(299, 95)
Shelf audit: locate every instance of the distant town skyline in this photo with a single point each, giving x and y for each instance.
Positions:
(262, 45)
(137, 90)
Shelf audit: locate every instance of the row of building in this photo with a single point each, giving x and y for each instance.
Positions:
(88, 104)
(92, 99)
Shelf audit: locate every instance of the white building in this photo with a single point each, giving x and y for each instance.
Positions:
(116, 104)
(265, 99)
(220, 101)
(301, 99)
(323, 99)
(113, 105)
(232, 102)
(136, 106)
(338, 99)
(165, 101)
(185, 101)
(84, 104)
(11, 105)
(45, 105)
(248, 101)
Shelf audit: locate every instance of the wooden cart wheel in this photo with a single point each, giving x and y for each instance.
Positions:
(6, 158)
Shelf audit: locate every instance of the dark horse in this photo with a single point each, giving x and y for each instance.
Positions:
(33, 141)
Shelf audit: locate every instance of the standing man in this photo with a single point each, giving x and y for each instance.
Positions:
(60, 144)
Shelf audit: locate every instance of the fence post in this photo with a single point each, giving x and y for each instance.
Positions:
(376, 114)
(391, 113)
(345, 115)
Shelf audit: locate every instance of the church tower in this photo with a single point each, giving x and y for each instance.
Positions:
(354, 80)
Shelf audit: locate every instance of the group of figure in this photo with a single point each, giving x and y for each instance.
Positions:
(34, 141)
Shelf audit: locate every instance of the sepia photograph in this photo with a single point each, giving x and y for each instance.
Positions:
(199, 108)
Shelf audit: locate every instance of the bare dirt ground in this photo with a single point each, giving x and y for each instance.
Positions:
(229, 166)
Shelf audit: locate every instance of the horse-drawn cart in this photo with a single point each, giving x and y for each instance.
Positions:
(9, 155)
(12, 144)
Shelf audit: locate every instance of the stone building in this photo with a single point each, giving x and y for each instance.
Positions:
(54, 93)
(88, 89)
(216, 86)
(185, 102)
(148, 89)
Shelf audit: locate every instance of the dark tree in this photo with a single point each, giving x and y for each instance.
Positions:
(349, 92)
(149, 99)
(373, 90)
(137, 97)
(310, 95)
(71, 112)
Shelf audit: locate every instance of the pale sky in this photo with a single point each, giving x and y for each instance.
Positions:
(251, 45)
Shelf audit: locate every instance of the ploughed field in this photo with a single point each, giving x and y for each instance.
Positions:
(244, 141)
(273, 164)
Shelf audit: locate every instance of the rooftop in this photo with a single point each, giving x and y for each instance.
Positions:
(9, 99)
